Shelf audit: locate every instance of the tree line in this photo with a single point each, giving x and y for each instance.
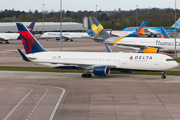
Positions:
(117, 19)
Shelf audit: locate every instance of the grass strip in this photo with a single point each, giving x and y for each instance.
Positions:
(177, 60)
(47, 69)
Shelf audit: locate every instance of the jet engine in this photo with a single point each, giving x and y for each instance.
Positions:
(151, 50)
(101, 70)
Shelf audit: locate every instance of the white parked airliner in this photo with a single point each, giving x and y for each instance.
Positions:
(143, 45)
(98, 63)
(5, 37)
(65, 35)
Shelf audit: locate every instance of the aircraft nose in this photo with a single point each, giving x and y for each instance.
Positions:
(175, 64)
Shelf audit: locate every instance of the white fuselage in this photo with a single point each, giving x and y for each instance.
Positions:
(9, 36)
(137, 43)
(74, 35)
(120, 33)
(87, 60)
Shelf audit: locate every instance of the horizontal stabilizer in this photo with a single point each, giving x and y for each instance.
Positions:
(23, 56)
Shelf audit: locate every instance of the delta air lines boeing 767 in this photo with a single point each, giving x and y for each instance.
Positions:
(98, 63)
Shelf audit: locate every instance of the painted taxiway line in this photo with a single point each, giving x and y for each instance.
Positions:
(57, 104)
(30, 114)
(17, 105)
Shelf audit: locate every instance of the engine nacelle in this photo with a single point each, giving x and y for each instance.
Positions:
(101, 70)
(58, 38)
(151, 50)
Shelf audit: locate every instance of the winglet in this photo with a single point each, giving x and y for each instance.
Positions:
(107, 48)
(163, 33)
(23, 56)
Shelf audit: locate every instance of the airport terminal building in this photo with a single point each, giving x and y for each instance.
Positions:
(48, 26)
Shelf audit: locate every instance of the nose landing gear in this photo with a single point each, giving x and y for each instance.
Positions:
(164, 75)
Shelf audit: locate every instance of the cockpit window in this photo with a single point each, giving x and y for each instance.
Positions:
(169, 59)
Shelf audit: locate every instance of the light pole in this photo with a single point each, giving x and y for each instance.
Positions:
(96, 11)
(61, 25)
(137, 14)
(43, 18)
(175, 33)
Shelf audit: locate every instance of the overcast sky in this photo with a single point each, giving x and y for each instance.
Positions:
(90, 5)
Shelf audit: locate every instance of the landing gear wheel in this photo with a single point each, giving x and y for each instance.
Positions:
(0, 42)
(89, 75)
(86, 75)
(7, 42)
(163, 77)
(66, 39)
(83, 75)
(71, 39)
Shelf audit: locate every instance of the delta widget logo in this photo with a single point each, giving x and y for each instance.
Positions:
(131, 58)
(141, 58)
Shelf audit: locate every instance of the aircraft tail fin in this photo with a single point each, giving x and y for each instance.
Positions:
(177, 23)
(30, 28)
(31, 45)
(163, 33)
(139, 31)
(90, 32)
(98, 31)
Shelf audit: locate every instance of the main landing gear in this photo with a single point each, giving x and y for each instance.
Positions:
(86, 75)
(5, 42)
(164, 75)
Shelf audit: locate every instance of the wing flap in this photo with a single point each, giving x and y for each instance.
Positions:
(83, 65)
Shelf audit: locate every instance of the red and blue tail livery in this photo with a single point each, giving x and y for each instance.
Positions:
(163, 33)
(31, 45)
(30, 28)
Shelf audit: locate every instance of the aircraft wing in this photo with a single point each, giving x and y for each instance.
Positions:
(83, 65)
(69, 37)
(139, 46)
